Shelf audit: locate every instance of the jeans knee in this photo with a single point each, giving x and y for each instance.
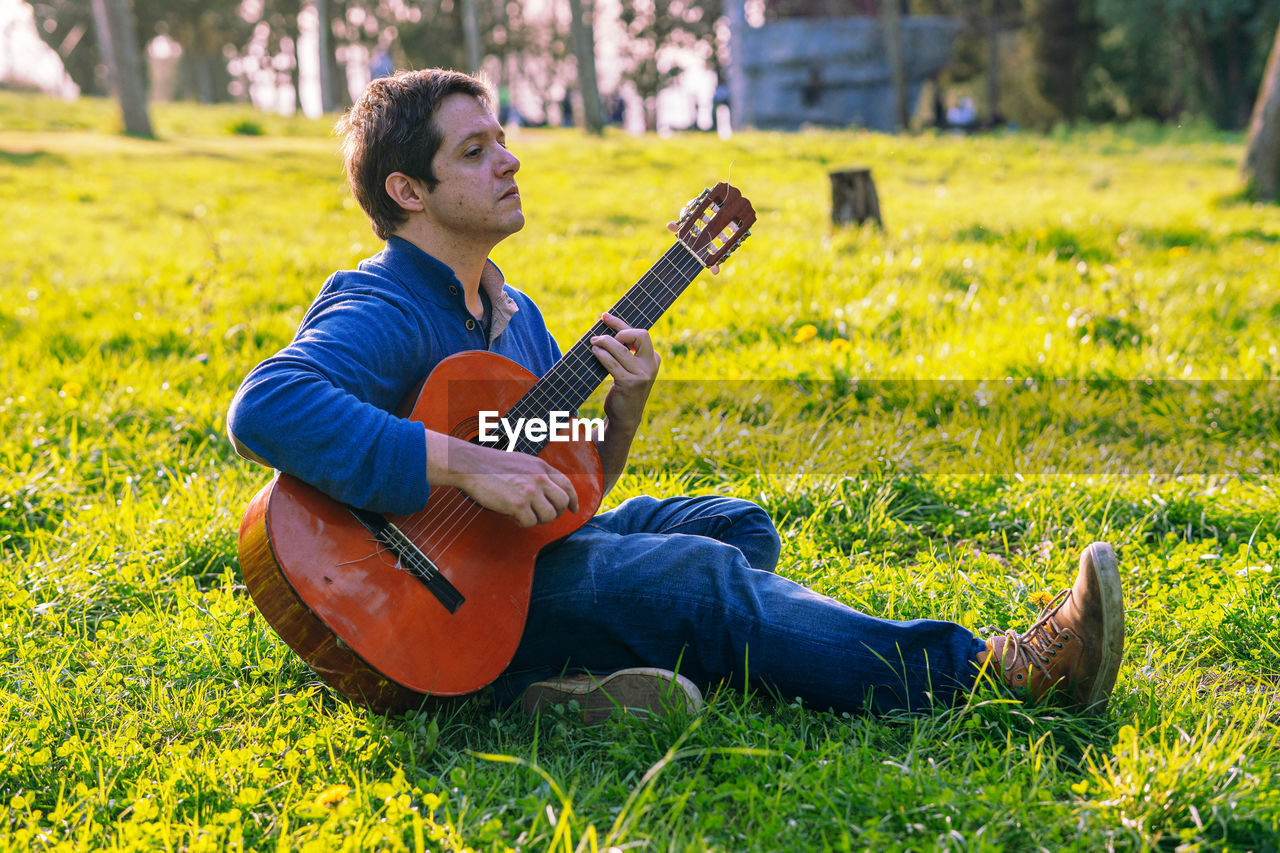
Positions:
(757, 536)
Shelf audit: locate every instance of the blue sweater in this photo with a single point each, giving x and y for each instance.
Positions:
(320, 409)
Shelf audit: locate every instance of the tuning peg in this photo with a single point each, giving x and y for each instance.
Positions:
(693, 203)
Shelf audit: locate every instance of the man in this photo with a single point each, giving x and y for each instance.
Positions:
(649, 587)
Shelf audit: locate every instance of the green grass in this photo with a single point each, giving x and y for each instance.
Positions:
(914, 444)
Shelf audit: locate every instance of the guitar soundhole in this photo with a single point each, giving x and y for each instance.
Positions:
(467, 429)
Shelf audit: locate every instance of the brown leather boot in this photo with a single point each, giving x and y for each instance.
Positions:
(1074, 646)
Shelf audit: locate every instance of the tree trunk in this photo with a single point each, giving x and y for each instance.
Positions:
(338, 74)
(116, 31)
(471, 36)
(741, 111)
(202, 74)
(891, 23)
(295, 77)
(324, 53)
(993, 67)
(1262, 154)
(107, 49)
(582, 31)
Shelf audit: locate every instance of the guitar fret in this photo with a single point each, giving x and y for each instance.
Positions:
(569, 382)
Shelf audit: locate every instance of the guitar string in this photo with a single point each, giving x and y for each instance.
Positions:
(457, 502)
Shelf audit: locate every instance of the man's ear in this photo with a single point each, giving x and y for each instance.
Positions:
(405, 191)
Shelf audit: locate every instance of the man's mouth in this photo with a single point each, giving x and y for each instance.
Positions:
(514, 191)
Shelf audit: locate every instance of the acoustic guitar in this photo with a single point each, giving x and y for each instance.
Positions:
(389, 609)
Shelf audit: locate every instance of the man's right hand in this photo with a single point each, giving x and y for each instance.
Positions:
(515, 484)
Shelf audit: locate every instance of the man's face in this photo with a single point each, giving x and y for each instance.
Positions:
(476, 197)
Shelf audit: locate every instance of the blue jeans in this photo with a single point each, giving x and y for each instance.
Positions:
(688, 584)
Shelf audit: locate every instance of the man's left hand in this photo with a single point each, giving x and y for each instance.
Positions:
(629, 357)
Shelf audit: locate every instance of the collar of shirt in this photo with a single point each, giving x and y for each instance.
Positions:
(403, 258)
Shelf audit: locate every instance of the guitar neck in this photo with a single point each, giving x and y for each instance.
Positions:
(567, 385)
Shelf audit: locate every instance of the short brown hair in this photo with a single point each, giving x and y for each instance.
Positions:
(392, 128)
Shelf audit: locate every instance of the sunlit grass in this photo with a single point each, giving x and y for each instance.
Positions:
(147, 706)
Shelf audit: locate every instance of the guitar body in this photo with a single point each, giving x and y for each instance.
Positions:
(369, 627)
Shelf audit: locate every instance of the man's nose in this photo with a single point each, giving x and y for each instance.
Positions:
(509, 164)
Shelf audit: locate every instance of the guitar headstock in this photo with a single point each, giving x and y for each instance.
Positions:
(715, 223)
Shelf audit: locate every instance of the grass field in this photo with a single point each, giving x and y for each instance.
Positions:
(1055, 340)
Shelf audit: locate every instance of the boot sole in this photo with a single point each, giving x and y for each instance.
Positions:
(1106, 572)
(639, 691)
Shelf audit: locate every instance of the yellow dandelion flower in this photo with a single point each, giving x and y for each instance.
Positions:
(1179, 251)
(805, 332)
(1041, 233)
(1042, 598)
(332, 795)
(841, 345)
(71, 389)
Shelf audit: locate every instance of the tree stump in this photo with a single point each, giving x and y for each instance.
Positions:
(853, 197)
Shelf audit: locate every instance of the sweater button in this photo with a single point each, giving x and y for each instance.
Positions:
(471, 325)
(453, 288)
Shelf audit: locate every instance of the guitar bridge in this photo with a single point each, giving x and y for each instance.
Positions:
(411, 558)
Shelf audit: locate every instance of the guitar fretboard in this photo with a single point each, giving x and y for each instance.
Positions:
(567, 385)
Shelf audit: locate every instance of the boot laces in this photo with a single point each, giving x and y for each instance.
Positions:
(1033, 647)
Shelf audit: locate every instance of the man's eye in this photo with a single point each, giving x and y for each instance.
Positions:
(472, 152)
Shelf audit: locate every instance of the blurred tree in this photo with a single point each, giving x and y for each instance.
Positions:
(118, 43)
(582, 29)
(280, 18)
(209, 32)
(325, 55)
(67, 27)
(1119, 59)
(891, 27)
(206, 30)
(654, 27)
(1229, 40)
(349, 31)
(1162, 58)
(431, 34)
(471, 36)
(1262, 154)
(535, 48)
(1142, 67)
(1064, 36)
